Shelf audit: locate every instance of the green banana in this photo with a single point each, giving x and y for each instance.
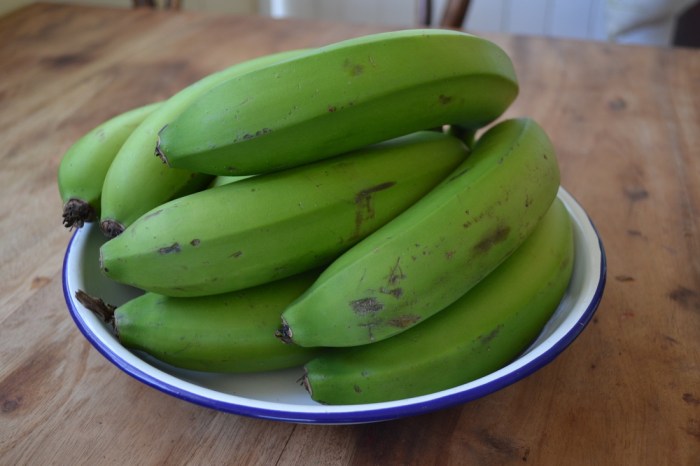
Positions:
(137, 181)
(431, 254)
(481, 332)
(231, 332)
(339, 98)
(84, 165)
(274, 225)
(222, 180)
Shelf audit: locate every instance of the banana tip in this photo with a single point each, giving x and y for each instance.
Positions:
(284, 333)
(77, 212)
(159, 151)
(111, 228)
(304, 380)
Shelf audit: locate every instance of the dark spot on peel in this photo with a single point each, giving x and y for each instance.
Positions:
(497, 236)
(366, 306)
(332, 108)
(363, 202)
(395, 292)
(173, 248)
(195, 242)
(624, 278)
(365, 193)
(444, 99)
(691, 399)
(486, 339)
(404, 321)
(395, 273)
(236, 254)
(152, 214)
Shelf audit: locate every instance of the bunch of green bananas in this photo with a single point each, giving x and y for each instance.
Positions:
(332, 207)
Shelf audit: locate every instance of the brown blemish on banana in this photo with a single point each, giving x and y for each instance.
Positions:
(364, 209)
(404, 321)
(152, 214)
(365, 194)
(248, 136)
(496, 236)
(395, 273)
(195, 242)
(366, 306)
(486, 339)
(175, 247)
(444, 99)
(236, 254)
(395, 292)
(354, 69)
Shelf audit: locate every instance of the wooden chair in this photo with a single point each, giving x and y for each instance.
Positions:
(166, 4)
(452, 17)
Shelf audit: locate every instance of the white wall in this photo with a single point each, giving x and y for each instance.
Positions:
(626, 21)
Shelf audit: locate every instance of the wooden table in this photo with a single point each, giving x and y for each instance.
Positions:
(626, 124)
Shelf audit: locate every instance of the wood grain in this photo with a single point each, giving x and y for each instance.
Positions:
(625, 122)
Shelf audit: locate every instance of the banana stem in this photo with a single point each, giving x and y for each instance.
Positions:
(98, 307)
(77, 212)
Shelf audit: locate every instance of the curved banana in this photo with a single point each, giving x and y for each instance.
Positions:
(481, 332)
(339, 98)
(431, 254)
(232, 332)
(270, 226)
(137, 181)
(222, 180)
(84, 165)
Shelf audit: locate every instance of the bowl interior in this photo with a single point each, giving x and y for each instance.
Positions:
(278, 395)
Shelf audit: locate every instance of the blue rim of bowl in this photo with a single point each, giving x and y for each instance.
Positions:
(335, 415)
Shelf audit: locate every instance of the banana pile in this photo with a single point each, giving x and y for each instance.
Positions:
(355, 208)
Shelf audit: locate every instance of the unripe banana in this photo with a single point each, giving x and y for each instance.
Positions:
(270, 226)
(339, 98)
(84, 165)
(481, 332)
(232, 332)
(431, 254)
(222, 180)
(137, 181)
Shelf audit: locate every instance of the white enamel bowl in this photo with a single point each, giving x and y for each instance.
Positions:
(278, 395)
